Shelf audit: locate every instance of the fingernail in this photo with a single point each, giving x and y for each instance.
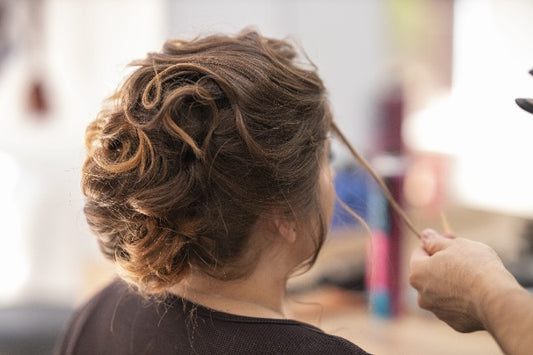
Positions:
(428, 234)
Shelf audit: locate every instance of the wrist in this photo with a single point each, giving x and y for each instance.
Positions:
(493, 293)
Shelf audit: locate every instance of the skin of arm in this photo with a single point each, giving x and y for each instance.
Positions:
(465, 284)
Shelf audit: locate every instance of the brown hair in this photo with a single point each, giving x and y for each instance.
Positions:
(200, 141)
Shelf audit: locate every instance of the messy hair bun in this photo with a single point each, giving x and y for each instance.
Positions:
(202, 139)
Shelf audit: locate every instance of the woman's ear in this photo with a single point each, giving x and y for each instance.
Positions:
(286, 229)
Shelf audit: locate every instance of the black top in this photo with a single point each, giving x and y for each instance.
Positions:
(119, 321)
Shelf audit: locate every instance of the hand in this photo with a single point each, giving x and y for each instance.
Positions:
(453, 277)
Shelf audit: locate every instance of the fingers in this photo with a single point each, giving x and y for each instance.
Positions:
(420, 261)
(417, 266)
(418, 257)
(433, 242)
(422, 302)
(418, 254)
(449, 236)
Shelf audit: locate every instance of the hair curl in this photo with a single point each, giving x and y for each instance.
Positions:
(202, 139)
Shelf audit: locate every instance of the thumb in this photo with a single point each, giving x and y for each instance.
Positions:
(433, 242)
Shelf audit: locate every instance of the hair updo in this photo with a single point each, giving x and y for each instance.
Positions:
(202, 139)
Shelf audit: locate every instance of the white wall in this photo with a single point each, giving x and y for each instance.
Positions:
(45, 242)
(479, 124)
(345, 39)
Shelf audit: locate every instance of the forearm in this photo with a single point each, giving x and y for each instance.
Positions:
(507, 313)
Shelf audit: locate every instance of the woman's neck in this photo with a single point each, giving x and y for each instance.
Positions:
(254, 296)
(260, 294)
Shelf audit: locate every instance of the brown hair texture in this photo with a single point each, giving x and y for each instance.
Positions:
(200, 141)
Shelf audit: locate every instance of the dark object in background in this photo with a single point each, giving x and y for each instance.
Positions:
(527, 236)
(31, 329)
(390, 121)
(6, 24)
(37, 96)
(522, 268)
(526, 104)
(37, 102)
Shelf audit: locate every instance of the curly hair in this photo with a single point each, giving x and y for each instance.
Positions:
(202, 139)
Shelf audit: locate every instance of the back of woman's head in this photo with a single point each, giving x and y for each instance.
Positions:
(200, 141)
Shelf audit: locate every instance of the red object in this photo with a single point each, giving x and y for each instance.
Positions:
(390, 121)
(395, 185)
(37, 102)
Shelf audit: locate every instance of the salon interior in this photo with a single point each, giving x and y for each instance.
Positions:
(424, 89)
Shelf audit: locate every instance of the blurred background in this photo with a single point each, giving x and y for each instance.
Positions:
(423, 88)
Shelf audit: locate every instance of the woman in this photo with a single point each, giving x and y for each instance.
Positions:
(207, 182)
